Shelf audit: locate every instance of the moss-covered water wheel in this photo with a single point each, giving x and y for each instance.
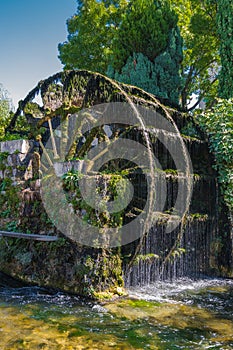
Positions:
(47, 111)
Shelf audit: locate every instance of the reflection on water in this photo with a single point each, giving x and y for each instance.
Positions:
(181, 315)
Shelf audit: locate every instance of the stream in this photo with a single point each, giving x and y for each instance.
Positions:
(184, 314)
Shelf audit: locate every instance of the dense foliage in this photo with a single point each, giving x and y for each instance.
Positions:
(160, 77)
(218, 123)
(145, 28)
(147, 49)
(225, 29)
(91, 31)
(197, 23)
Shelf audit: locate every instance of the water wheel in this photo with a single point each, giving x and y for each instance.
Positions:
(74, 112)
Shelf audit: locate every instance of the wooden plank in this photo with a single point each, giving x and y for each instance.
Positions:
(28, 236)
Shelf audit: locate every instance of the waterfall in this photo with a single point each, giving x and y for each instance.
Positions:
(165, 257)
(190, 259)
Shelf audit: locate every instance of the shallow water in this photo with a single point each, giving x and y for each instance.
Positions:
(181, 315)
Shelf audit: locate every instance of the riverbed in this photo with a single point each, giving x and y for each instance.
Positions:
(183, 314)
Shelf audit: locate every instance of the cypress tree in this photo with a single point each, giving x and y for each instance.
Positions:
(147, 51)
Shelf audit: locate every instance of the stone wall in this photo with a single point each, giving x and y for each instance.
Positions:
(16, 159)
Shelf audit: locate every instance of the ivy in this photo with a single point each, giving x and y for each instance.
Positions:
(218, 124)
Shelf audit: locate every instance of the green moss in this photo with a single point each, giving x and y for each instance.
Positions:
(147, 257)
(197, 216)
(115, 187)
(3, 160)
(142, 303)
(3, 156)
(110, 294)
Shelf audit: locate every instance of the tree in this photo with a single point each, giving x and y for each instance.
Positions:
(5, 110)
(145, 28)
(105, 32)
(161, 76)
(225, 30)
(94, 36)
(91, 31)
(200, 66)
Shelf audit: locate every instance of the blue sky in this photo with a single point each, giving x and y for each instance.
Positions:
(30, 31)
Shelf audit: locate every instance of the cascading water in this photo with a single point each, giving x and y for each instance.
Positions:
(192, 253)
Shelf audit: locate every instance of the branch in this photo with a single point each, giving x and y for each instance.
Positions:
(200, 97)
(205, 67)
